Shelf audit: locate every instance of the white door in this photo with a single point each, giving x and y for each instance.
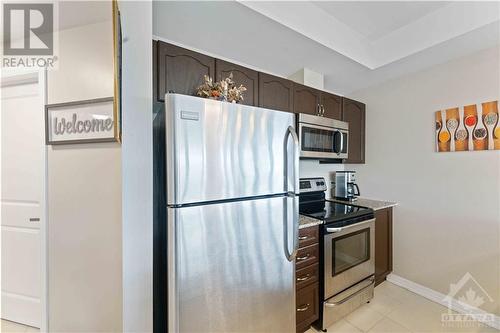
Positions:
(22, 169)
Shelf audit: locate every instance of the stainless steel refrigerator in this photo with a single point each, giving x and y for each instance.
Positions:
(231, 217)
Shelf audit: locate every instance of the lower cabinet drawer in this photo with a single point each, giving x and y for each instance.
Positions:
(307, 310)
(306, 276)
(307, 256)
(308, 236)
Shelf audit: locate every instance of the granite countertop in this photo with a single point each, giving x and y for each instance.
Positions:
(371, 203)
(306, 222)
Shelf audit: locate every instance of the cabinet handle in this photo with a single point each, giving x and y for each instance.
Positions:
(303, 308)
(34, 219)
(304, 257)
(301, 238)
(322, 110)
(318, 108)
(305, 278)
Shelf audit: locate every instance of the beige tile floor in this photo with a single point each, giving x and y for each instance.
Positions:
(392, 310)
(397, 310)
(12, 327)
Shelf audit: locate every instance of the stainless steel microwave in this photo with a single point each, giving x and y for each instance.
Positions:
(322, 138)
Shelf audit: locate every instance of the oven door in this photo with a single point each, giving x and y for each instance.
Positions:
(349, 256)
(322, 142)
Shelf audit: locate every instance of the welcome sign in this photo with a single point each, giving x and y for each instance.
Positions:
(81, 122)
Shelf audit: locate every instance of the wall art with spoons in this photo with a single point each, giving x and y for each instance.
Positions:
(468, 128)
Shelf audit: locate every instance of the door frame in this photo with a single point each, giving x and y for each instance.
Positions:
(15, 77)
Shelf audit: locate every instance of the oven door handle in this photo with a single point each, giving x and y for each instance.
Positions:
(331, 305)
(335, 230)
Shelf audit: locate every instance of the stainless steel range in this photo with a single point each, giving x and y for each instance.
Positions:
(348, 249)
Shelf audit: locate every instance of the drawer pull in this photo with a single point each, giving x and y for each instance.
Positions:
(303, 238)
(304, 257)
(303, 308)
(331, 305)
(305, 278)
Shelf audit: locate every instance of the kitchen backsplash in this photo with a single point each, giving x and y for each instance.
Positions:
(312, 168)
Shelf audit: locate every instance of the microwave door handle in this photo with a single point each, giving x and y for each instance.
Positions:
(341, 142)
(341, 147)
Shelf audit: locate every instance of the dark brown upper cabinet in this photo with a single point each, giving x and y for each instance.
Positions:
(275, 93)
(181, 71)
(316, 102)
(306, 99)
(241, 75)
(353, 112)
(331, 106)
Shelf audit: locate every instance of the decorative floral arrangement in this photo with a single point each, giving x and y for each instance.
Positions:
(224, 90)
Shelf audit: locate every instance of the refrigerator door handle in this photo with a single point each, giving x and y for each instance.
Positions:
(291, 194)
(296, 151)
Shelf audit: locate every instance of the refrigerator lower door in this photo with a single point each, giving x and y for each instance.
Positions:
(228, 270)
(217, 151)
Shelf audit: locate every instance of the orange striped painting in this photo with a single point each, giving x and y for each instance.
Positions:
(468, 128)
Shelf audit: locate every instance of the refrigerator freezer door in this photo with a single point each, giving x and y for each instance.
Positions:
(217, 151)
(227, 268)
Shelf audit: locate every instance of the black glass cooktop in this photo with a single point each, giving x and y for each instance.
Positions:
(330, 211)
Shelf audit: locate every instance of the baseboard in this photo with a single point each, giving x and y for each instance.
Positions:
(440, 298)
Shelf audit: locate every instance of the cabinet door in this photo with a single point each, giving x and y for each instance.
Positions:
(383, 244)
(180, 70)
(307, 312)
(275, 93)
(332, 105)
(306, 99)
(353, 112)
(241, 75)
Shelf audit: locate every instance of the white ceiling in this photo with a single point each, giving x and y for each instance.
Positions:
(427, 25)
(376, 19)
(382, 40)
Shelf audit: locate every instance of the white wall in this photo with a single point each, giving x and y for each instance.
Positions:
(448, 219)
(137, 166)
(85, 66)
(84, 196)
